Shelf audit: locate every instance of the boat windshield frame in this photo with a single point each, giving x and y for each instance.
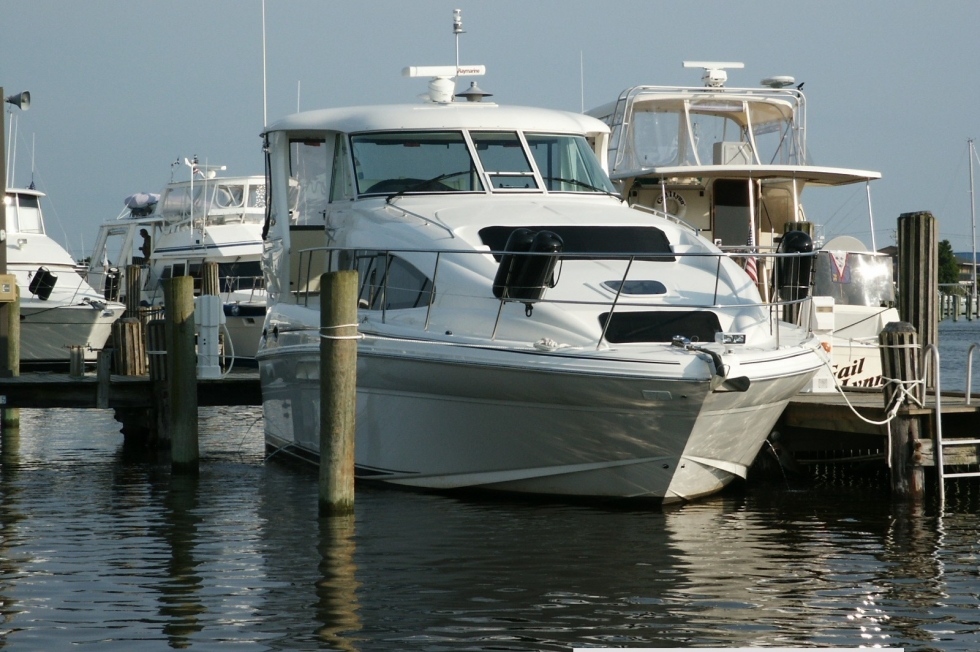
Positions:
(497, 161)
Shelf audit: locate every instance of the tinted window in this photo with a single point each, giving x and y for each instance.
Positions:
(390, 282)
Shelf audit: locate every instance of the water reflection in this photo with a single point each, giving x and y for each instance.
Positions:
(10, 517)
(103, 549)
(337, 589)
(180, 593)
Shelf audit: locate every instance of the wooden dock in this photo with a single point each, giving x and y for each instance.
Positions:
(824, 427)
(53, 390)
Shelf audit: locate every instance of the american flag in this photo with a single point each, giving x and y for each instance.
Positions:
(750, 263)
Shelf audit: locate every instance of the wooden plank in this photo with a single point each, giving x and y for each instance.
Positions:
(44, 391)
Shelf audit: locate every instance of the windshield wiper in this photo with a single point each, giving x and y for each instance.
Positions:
(422, 184)
(583, 184)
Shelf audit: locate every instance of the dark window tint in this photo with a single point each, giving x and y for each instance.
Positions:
(593, 239)
(660, 326)
(390, 282)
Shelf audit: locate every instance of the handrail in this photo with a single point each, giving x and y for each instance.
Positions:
(305, 269)
(969, 371)
(930, 362)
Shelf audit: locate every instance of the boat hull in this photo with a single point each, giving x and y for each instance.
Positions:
(450, 424)
(47, 331)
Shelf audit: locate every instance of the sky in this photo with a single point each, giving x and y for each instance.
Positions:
(121, 89)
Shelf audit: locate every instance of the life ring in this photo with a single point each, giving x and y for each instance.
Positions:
(676, 205)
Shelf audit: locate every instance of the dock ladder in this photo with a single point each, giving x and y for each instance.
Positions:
(931, 358)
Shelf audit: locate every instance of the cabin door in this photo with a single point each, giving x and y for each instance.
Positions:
(730, 212)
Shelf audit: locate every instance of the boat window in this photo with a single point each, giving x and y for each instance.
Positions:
(176, 203)
(245, 275)
(654, 140)
(854, 279)
(229, 196)
(340, 184)
(405, 162)
(308, 170)
(636, 287)
(567, 164)
(660, 326)
(391, 282)
(504, 160)
(256, 195)
(28, 215)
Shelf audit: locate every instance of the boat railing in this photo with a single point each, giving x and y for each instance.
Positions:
(317, 260)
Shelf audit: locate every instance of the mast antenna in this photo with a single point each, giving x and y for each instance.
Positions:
(457, 30)
(973, 215)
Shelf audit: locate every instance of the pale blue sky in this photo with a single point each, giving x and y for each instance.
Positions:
(122, 88)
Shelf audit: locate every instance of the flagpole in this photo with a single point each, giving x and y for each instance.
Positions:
(973, 215)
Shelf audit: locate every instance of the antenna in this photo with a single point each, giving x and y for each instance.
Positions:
(714, 71)
(265, 101)
(457, 30)
(973, 213)
(581, 74)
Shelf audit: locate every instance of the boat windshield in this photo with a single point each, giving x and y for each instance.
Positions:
(24, 214)
(405, 162)
(568, 164)
(854, 279)
(709, 132)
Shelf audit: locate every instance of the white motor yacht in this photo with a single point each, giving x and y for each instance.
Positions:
(206, 218)
(523, 329)
(733, 163)
(58, 309)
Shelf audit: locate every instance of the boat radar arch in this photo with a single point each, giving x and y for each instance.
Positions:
(442, 86)
(714, 71)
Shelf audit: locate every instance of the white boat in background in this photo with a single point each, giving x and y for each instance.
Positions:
(206, 218)
(733, 163)
(624, 356)
(58, 309)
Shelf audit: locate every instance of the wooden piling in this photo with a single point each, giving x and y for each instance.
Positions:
(134, 286)
(103, 372)
(899, 350)
(918, 276)
(209, 278)
(156, 349)
(181, 372)
(338, 371)
(127, 339)
(11, 416)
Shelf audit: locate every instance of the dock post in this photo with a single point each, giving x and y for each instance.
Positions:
(127, 339)
(209, 278)
(181, 372)
(156, 349)
(900, 370)
(103, 372)
(134, 287)
(956, 307)
(918, 274)
(338, 378)
(11, 416)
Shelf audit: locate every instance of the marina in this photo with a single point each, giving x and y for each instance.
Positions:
(525, 363)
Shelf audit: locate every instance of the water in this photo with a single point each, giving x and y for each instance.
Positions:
(955, 339)
(104, 549)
